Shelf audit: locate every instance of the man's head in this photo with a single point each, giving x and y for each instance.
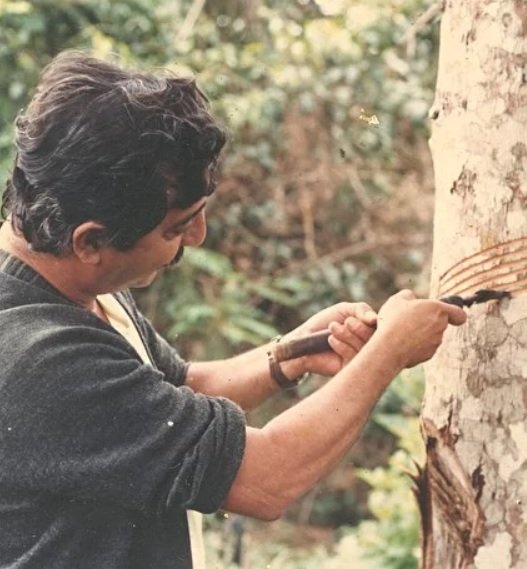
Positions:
(120, 148)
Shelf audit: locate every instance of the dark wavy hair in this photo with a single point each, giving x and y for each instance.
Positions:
(101, 143)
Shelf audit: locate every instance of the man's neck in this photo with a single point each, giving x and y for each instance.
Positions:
(65, 273)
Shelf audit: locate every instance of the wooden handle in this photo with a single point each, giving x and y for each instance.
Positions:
(311, 344)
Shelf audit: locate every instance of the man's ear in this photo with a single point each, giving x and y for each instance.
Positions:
(87, 240)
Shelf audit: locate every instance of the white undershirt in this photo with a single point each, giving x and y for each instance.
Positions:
(120, 320)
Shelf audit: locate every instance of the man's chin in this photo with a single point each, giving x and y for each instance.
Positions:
(177, 258)
(145, 281)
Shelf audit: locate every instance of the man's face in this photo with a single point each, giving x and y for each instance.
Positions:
(161, 248)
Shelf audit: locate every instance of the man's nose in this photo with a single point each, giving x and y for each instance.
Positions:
(196, 233)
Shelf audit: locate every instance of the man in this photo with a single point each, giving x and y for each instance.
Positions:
(109, 441)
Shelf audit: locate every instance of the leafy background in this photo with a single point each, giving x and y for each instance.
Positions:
(325, 194)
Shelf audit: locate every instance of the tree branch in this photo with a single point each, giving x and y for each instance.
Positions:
(190, 20)
(359, 249)
(422, 21)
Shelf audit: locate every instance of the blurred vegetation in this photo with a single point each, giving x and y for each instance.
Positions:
(325, 194)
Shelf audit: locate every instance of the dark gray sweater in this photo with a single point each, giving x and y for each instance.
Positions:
(100, 454)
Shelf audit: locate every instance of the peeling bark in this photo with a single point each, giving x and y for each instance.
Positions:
(473, 488)
(450, 501)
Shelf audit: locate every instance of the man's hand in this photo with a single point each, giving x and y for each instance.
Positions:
(415, 327)
(351, 326)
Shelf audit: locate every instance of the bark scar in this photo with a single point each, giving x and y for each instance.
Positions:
(449, 497)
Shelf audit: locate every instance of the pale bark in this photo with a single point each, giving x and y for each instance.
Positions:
(474, 485)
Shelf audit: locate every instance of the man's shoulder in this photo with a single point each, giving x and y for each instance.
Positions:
(21, 301)
(36, 324)
(17, 293)
(41, 330)
(25, 306)
(46, 349)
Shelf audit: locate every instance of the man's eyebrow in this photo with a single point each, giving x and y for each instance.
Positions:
(186, 219)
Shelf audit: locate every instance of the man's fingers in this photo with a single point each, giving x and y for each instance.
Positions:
(405, 294)
(346, 350)
(456, 315)
(366, 313)
(353, 332)
(347, 339)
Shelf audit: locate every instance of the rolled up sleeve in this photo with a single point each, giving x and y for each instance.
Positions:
(97, 424)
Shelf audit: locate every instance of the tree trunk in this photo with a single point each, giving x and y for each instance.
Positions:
(473, 489)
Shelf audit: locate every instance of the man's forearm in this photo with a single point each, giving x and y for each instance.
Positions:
(245, 379)
(293, 451)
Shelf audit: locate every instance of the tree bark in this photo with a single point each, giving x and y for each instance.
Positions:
(473, 488)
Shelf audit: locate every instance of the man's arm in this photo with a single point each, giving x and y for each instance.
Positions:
(293, 451)
(246, 378)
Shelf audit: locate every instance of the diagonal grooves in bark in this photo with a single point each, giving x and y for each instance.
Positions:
(515, 245)
(508, 264)
(508, 269)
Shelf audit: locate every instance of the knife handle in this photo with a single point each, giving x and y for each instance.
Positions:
(314, 343)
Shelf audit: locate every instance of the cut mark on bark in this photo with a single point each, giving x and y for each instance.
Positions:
(422, 496)
(448, 496)
(501, 267)
(478, 482)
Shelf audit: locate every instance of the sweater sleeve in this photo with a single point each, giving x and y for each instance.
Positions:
(82, 417)
(166, 357)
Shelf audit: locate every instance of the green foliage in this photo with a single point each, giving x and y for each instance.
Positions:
(326, 114)
(324, 192)
(391, 539)
(281, 77)
(232, 314)
(267, 555)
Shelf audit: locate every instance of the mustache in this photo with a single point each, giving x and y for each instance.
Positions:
(177, 257)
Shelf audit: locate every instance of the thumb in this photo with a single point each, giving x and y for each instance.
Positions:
(456, 315)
